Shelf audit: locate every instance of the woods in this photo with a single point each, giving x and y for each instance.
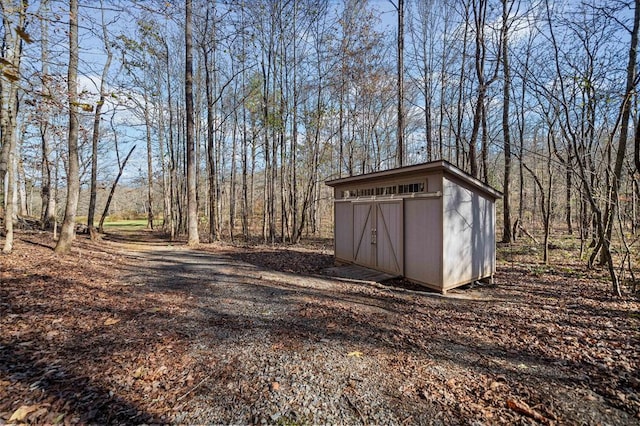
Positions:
(246, 107)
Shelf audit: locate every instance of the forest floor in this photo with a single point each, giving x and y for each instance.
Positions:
(133, 329)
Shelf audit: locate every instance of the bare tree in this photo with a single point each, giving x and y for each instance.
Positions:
(95, 137)
(625, 113)
(67, 233)
(48, 187)
(484, 80)
(192, 214)
(506, 134)
(400, 84)
(12, 50)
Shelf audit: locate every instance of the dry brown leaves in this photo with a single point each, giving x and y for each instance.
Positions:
(82, 339)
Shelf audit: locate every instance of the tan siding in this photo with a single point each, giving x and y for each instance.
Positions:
(441, 234)
(423, 241)
(343, 231)
(434, 182)
(469, 235)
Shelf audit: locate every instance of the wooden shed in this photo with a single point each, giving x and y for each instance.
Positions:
(431, 223)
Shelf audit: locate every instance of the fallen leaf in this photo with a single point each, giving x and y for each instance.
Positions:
(111, 321)
(275, 386)
(140, 371)
(21, 413)
(357, 354)
(39, 412)
(52, 334)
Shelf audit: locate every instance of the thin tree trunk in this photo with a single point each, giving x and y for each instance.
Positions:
(480, 16)
(173, 175)
(506, 93)
(67, 232)
(166, 182)
(400, 149)
(622, 146)
(10, 199)
(192, 215)
(459, 105)
(485, 145)
(24, 184)
(232, 181)
(8, 122)
(105, 212)
(95, 138)
(293, 193)
(568, 190)
(245, 147)
(48, 196)
(147, 126)
(636, 151)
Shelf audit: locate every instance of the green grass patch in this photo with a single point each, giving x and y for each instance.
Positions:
(126, 224)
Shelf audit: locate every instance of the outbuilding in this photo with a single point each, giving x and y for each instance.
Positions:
(431, 223)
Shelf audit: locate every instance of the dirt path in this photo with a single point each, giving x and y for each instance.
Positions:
(138, 330)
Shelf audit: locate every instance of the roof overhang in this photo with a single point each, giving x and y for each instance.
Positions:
(434, 166)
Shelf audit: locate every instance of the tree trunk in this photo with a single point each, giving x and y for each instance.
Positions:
(147, 126)
(485, 145)
(636, 151)
(293, 193)
(192, 214)
(211, 152)
(166, 184)
(245, 143)
(568, 191)
(67, 232)
(400, 149)
(506, 94)
(95, 138)
(11, 184)
(460, 100)
(105, 212)
(47, 193)
(622, 147)
(232, 181)
(8, 119)
(25, 185)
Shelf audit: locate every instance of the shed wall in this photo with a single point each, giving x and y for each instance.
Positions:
(343, 231)
(469, 234)
(423, 240)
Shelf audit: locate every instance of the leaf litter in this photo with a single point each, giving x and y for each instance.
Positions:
(265, 343)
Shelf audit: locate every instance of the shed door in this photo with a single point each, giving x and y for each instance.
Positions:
(362, 234)
(388, 233)
(377, 235)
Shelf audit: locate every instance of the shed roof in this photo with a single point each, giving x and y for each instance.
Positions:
(433, 166)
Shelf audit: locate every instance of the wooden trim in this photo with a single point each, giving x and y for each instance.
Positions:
(434, 166)
(389, 198)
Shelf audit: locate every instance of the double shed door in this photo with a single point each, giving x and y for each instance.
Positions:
(378, 235)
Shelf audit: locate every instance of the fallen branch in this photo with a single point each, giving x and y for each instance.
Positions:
(357, 410)
(520, 227)
(524, 409)
(192, 389)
